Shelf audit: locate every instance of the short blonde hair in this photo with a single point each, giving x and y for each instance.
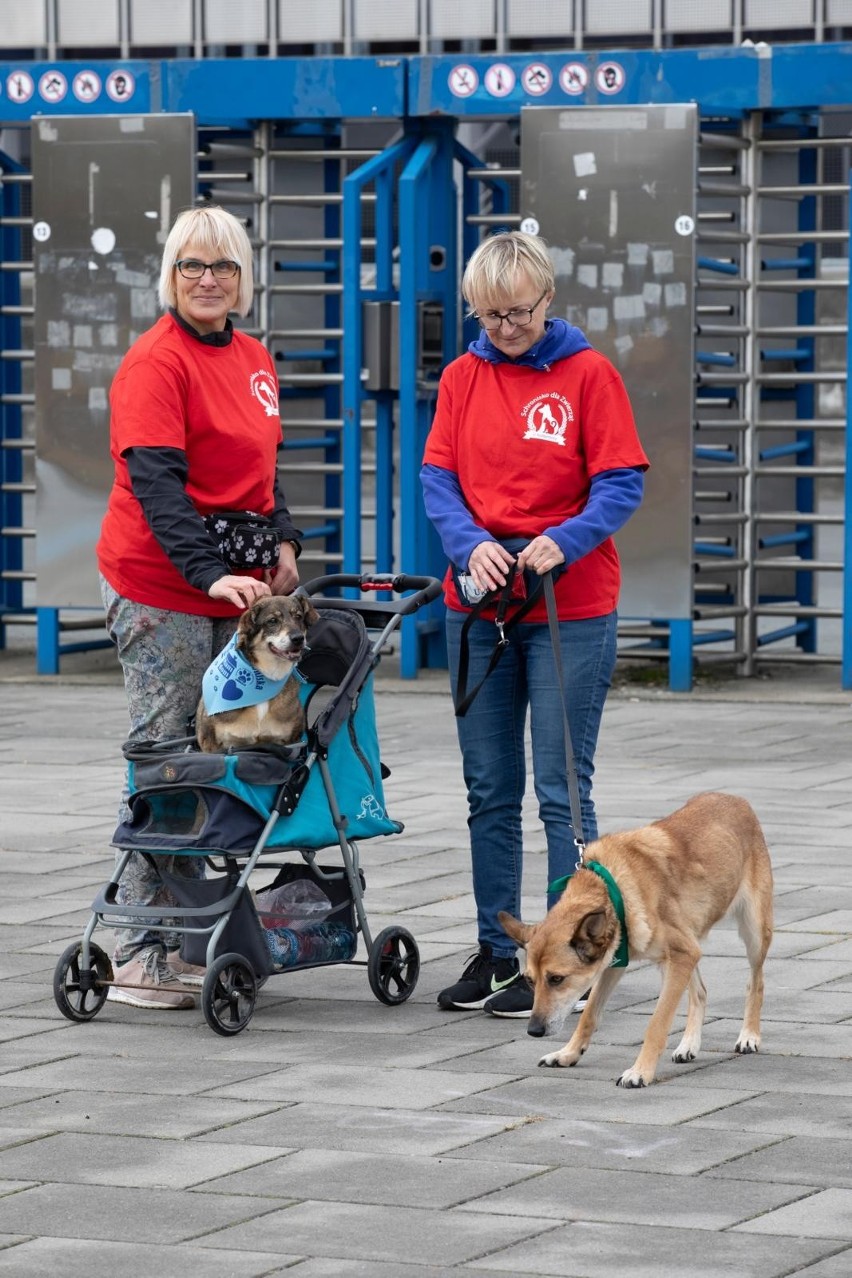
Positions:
(216, 233)
(491, 274)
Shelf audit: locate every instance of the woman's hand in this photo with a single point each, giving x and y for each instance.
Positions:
(489, 565)
(240, 591)
(284, 579)
(540, 555)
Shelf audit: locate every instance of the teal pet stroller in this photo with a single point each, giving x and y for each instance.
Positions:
(272, 808)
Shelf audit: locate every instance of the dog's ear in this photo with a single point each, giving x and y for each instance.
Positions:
(310, 616)
(518, 931)
(591, 937)
(247, 621)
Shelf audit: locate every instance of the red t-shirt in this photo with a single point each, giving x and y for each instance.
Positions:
(219, 404)
(525, 444)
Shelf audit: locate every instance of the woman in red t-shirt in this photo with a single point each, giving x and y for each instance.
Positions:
(533, 443)
(194, 429)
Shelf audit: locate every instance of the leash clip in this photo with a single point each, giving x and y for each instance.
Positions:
(502, 641)
(581, 847)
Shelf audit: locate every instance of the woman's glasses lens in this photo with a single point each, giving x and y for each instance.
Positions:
(517, 318)
(192, 269)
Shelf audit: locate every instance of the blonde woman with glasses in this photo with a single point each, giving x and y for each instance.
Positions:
(195, 433)
(533, 456)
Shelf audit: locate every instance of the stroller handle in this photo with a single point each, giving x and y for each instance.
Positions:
(426, 588)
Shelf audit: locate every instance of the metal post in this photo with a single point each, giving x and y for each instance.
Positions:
(846, 623)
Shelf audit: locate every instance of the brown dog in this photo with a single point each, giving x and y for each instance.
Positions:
(271, 639)
(677, 878)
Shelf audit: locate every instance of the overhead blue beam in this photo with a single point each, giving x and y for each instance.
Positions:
(723, 78)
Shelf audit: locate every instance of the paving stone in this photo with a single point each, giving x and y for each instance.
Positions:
(115, 1214)
(643, 1198)
(367, 1129)
(380, 1233)
(129, 1160)
(123, 1114)
(382, 1179)
(825, 1214)
(72, 1258)
(401, 1088)
(676, 1150)
(791, 1114)
(601, 1250)
(800, 1160)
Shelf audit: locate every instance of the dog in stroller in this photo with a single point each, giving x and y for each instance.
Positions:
(245, 809)
(249, 695)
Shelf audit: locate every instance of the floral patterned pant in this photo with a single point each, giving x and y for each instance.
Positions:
(163, 657)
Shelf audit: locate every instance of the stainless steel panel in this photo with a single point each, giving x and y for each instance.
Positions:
(229, 23)
(160, 22)
(527, 18)
(378, 20)
(320, 21)
(87, 22)
(105, 192)
(612, 190)
(22, 25)
(697, 15)
(608, 17)
(453, 21)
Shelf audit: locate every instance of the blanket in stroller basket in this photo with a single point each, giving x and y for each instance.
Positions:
(185, 801)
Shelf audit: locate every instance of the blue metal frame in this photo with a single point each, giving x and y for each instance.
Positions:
(11, 429)
(316, 94)
(846, 639)
(379, 171)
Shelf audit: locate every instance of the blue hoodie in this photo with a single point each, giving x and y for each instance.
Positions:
(613, 495)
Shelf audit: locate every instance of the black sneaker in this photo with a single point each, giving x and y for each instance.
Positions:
(515, 1000)
(483, 977)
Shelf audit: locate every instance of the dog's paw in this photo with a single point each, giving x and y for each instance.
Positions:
(631, 1078)
(554, 1060)
(682, 1056)
(747, 1043)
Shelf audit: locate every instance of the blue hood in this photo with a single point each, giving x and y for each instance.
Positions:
(560, 340)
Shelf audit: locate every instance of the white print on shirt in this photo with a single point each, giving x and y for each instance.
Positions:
(265, 391)
(547, 417)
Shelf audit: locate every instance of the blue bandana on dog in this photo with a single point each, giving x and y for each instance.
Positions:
(230, 683)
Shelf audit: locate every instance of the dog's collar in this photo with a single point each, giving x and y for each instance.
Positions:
(559, 885)
(230, 683)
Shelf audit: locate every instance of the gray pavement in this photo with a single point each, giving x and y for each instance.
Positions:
(338, 1136)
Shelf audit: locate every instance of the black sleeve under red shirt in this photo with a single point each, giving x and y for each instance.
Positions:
(158, 478)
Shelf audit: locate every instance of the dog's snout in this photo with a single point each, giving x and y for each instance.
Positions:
(297, 640)
(537, 1028)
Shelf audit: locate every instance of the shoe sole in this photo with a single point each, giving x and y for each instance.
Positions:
(133, 1000)
(447, 1005)
(509, 1016)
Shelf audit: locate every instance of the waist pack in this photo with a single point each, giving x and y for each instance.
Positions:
(244, 539)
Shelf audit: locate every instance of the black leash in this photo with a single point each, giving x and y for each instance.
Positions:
(503, 596)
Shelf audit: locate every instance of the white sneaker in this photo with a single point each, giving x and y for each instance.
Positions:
(187, 973)
(147, 981)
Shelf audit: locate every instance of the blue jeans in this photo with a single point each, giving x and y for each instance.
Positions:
(491, 736)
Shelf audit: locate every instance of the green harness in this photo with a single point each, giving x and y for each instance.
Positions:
(559, 885)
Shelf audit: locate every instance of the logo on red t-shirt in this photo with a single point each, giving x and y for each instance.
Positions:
(547, 417)
(265, 390)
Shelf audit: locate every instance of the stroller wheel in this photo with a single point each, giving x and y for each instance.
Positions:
(393, 965)
(80, 992)
(228, 994)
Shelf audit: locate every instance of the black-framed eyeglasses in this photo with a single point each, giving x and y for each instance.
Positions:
(518, 316)
(193, 269)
